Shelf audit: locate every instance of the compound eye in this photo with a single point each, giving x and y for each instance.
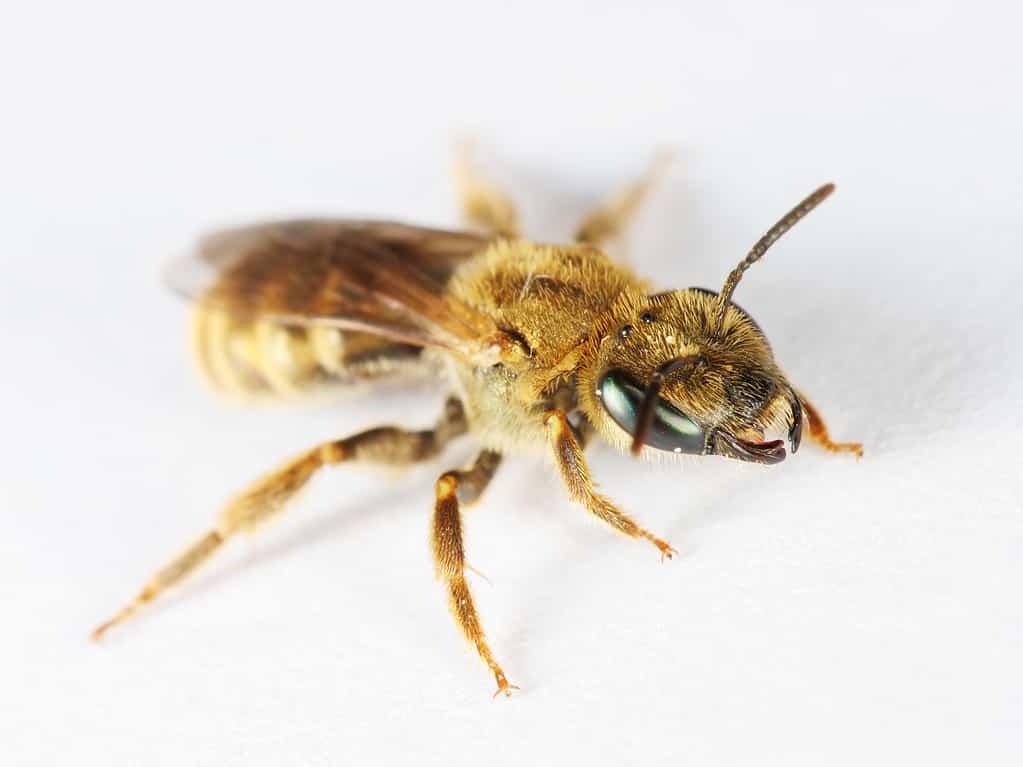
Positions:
(671, 430)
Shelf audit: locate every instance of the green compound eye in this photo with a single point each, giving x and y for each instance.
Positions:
(671, 429)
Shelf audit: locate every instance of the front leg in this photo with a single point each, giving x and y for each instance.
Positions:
(819, 432)
(568, 455)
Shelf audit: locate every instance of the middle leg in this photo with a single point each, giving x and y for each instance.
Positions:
(608, 222)
(453, 489)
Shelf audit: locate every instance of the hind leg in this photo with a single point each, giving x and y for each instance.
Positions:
(482, 204)
(270, 495)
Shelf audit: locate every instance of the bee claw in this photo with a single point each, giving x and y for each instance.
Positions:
(503, 685)
(667, 550)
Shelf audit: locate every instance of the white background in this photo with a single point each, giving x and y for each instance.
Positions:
(825, 611)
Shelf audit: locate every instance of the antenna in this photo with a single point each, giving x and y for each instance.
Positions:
(646, 408)
(757, 252)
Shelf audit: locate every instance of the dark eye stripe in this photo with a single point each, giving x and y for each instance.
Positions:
(671, 430)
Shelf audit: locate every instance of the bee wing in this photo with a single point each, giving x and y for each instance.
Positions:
(376, 277)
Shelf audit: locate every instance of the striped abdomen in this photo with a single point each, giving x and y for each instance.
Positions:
(256, 357)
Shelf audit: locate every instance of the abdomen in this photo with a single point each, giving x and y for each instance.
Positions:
(252, 357)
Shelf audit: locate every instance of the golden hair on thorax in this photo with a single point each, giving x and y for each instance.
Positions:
(539, 347)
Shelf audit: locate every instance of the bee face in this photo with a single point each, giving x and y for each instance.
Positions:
(718, 389)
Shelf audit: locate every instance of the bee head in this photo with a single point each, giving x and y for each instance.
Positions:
(689, 372)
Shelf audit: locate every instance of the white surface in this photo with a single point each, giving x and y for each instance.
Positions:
(822, 612)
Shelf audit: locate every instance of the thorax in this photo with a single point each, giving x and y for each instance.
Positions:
(550, 297)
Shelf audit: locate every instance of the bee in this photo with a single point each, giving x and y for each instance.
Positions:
(541, 346)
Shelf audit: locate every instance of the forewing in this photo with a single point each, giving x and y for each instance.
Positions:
(376, 277)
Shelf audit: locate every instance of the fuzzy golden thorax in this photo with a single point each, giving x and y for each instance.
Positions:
(728, 385)
(540, 345)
